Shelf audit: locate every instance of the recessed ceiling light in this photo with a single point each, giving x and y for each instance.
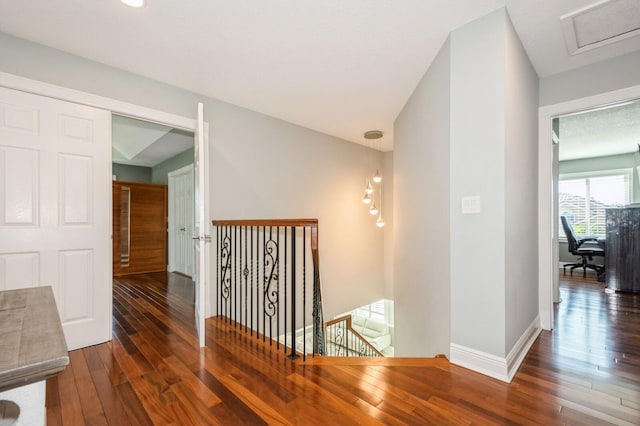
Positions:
(133, 3)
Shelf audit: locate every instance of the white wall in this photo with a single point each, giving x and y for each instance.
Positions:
(421, 215)
(601, 77)
(270, 168)
(261, 167)
(494, 98)
(521, 189)
(478, 169)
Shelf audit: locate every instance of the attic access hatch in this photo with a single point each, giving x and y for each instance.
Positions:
(600, 24)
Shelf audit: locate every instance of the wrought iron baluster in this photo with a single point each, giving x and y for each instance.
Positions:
(234, 286)
(226, 266)
(218, 255)
(245, 272)
(278, 290)
(293, 354)
(286, 261)
(271, 281)
(304, 292)
(264, 274)
(251, 278)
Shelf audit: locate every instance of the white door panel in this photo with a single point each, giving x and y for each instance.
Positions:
(201, 225)
(19, 270)
(181, 218)
(55, 202)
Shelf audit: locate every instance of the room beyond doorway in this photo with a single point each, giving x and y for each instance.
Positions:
(153, 214)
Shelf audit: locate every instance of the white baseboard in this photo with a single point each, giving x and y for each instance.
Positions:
(522, 346)
(494, 366)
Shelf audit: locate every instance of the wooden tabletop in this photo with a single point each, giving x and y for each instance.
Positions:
(33, 346)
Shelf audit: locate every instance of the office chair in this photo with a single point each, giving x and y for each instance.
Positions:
(575, 248)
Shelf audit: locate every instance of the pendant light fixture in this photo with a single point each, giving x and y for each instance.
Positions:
(370, 190)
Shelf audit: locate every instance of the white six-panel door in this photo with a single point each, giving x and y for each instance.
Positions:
(55, 201)
(181, 220)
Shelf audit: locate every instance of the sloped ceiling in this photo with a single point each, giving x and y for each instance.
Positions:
(337, 66)
(140, 143)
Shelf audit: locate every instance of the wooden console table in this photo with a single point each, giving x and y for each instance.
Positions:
(33, 349)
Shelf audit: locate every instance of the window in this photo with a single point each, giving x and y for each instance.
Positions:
(374, 311)
(583, 198)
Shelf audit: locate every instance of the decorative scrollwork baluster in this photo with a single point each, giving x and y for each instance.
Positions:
(271, 279)
(225, 256)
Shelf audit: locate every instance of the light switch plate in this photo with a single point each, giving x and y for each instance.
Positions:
(471, 205)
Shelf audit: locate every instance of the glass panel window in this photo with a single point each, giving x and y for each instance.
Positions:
(584, 199)
(374, 311)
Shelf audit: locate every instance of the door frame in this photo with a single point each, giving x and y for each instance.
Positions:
(36, 87)
(182, 170)
(547, 233)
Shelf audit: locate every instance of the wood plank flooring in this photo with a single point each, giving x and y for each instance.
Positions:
(587, 371)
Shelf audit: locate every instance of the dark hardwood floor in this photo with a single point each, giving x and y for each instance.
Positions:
(587, 371)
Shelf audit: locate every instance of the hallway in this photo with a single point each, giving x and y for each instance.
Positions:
(586, 372)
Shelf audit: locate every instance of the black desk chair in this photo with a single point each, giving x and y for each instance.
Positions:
(587, 252)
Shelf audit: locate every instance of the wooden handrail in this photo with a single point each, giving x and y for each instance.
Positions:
(347, 318)
(311, 223)
(266, 222)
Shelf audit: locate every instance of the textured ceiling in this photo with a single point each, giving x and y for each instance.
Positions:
(605, 131)
(337, 66)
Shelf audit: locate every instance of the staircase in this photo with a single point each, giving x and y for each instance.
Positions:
(268, 286)
(343, 340)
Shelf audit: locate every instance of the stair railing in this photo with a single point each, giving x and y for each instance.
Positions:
(268, 281)
(343, 340)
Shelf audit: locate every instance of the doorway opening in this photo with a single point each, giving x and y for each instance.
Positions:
(598, 163)
(153, 202)
(548, 210)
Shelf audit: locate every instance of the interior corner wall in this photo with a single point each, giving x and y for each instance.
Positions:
(521, 189)
(478, 169)
(160, 172)
(261, 167)
(387, 210)
(602, 77)
(421, 216)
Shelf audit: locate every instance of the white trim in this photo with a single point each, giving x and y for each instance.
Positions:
(521, 348)
(546, 233)
(117, 107)
(24, 84)
(494, 366)
(482, 362)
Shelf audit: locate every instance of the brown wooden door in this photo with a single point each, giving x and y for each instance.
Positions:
(147, 228)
